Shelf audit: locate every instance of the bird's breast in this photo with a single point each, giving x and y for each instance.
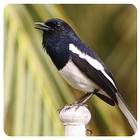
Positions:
(73, 75)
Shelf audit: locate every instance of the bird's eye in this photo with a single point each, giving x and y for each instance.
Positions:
(57, 27)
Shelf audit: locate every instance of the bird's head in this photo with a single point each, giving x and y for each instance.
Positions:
(57, 35)
(55, 28)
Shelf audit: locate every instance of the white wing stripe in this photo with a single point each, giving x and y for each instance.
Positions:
(97, 65)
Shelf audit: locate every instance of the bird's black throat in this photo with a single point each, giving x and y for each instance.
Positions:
(57, 49)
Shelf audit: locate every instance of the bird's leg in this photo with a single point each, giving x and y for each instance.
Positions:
(75, 103)
(89, 94)
(83, 103)
(81, 98)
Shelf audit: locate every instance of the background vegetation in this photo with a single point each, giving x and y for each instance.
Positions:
(34, 89)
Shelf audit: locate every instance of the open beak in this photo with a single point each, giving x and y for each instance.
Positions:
(44, 27)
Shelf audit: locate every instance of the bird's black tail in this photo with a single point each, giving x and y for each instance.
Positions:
(127, 112)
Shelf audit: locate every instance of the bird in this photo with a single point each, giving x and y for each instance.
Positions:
(80, 66)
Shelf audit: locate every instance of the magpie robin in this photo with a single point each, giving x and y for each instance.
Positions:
(80, 66)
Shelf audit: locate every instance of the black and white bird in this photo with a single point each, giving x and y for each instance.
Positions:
(80, 66)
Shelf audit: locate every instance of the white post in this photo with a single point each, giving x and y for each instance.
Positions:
(75, 120)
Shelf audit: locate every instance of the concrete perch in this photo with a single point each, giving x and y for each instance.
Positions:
(75, 120)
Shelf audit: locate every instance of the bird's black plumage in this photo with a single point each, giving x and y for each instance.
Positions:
(80, 66)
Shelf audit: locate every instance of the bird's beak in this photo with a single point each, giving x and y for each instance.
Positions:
(44, 27)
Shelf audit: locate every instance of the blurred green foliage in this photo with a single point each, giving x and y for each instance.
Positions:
(34, 89)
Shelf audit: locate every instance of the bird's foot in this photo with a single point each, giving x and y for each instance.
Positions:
(77, 106)
(67, 107)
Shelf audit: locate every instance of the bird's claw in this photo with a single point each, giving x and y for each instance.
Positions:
(67, 107)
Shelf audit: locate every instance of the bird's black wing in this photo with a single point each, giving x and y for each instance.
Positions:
(84, 48)
(96, 76)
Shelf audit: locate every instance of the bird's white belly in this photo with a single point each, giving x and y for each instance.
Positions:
(76, 78)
